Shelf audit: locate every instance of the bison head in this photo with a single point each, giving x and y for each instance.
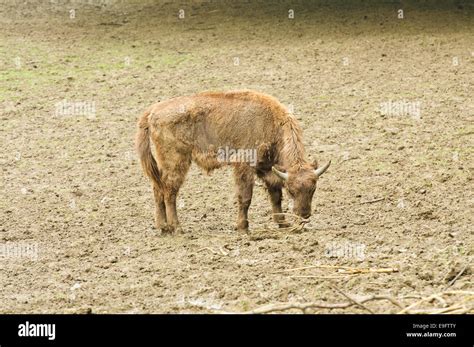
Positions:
(301, 184)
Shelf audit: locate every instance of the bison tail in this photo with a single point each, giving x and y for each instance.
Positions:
(143, 149)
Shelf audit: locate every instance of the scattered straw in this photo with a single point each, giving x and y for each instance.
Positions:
(348, 270)
(296, 225)
(465, 305)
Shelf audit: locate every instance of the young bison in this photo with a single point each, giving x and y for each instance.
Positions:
(203, 127)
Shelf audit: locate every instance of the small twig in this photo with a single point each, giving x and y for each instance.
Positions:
(342, 269)
(457, 276)
(264, 236)
(322, 277)
(408, 308)
(372, 201)
(313, 267)
(436, 296)
(223, 252)
(311, 305)
(352, 299)
(220, 252)
(440, 300)
(347, 159)
(391, 299)
(410, 296)
(454, 307)
(299, 306)
(194, 28)
(266, 233)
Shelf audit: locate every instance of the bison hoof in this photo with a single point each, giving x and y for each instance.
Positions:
(242, 228)
(284, 225)
(167, 229)
(171, 229)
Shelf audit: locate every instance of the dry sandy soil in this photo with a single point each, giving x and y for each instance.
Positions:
(398, 195)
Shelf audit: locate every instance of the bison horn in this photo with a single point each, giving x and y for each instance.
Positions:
(282, 175)
(318, 172)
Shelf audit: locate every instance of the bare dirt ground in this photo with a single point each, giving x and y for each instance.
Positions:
(398, 195)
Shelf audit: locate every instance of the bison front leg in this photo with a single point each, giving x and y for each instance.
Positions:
(244, 181)
(276, 194)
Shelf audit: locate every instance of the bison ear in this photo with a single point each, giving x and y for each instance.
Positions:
(282, 175)
(314, 164)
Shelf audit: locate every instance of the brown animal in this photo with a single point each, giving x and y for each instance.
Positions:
(251, 131)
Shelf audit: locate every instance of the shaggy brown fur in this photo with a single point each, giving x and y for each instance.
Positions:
(198, 127)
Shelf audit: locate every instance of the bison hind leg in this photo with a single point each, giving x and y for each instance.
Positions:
(244, 182)
(174, 166)
(160, 214)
